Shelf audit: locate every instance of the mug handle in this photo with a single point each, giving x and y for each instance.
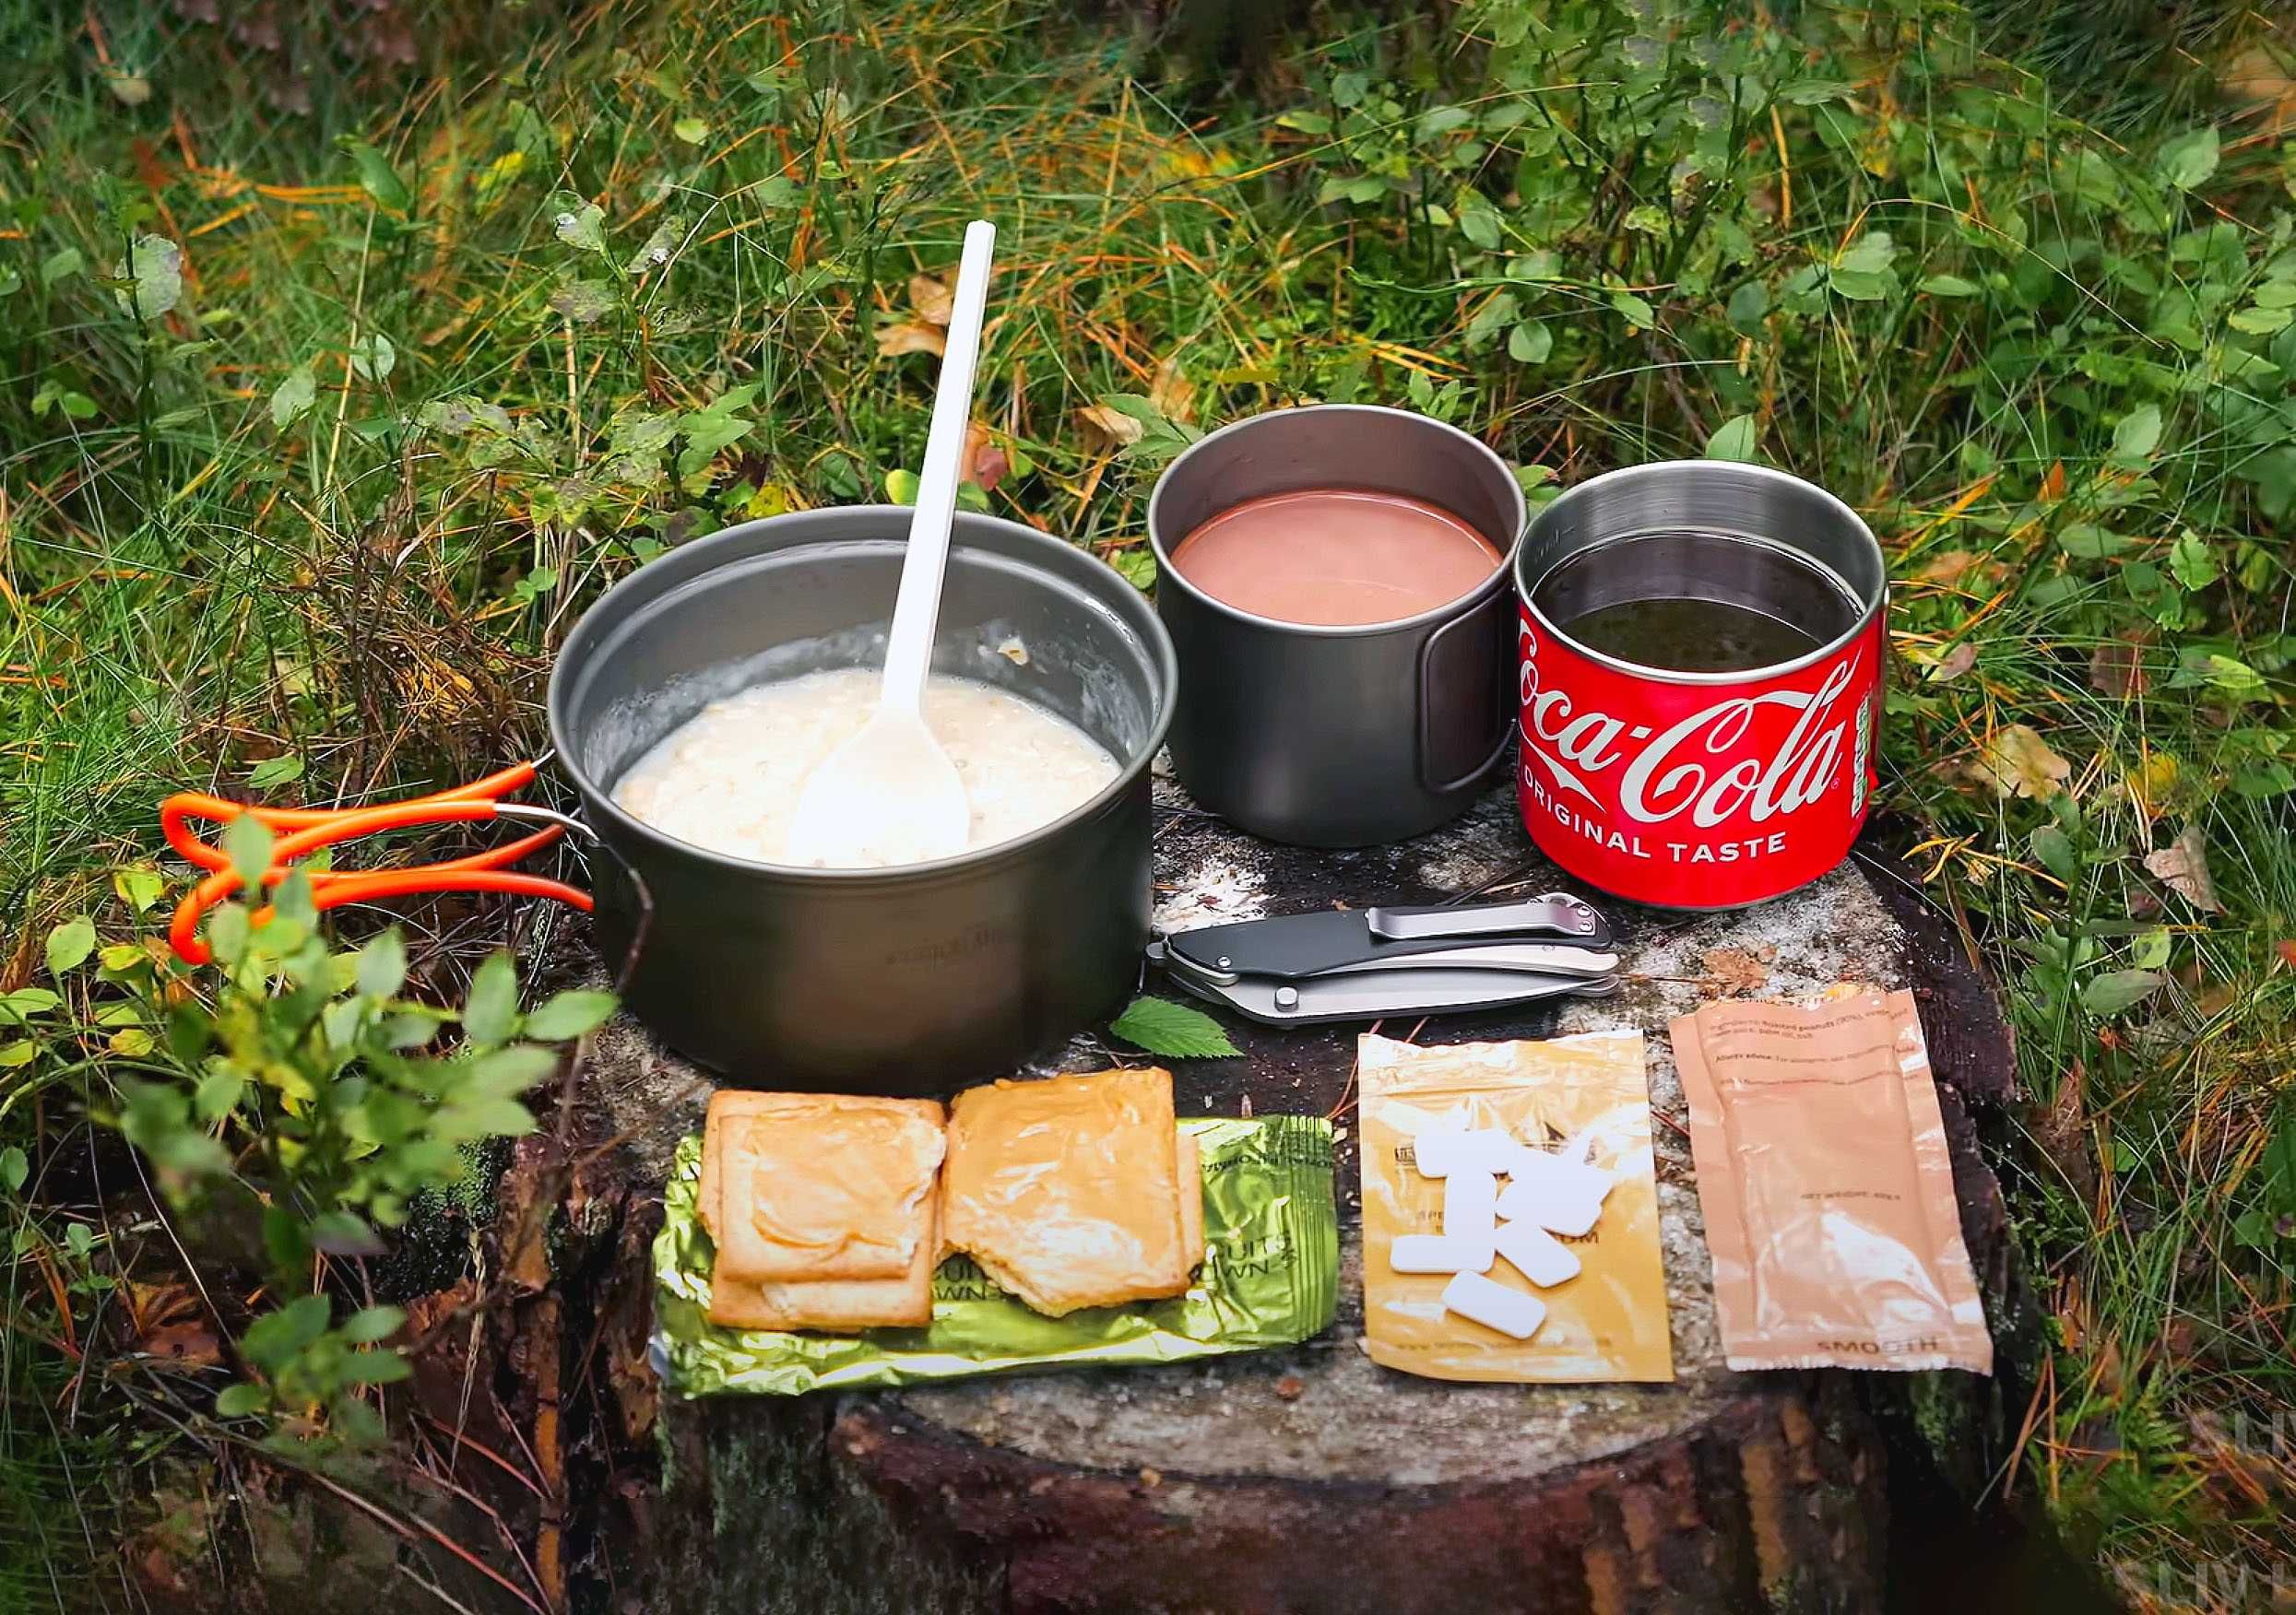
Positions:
(1456, 639)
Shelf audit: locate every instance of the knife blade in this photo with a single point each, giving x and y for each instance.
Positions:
(1368, 994)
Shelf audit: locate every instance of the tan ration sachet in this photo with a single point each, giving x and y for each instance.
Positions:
(1827, 1188)
(1589, 1092)
(1069, 1192)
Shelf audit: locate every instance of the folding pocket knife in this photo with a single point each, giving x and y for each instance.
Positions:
(1360, 964)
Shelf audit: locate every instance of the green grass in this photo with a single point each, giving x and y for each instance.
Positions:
(2010, 309)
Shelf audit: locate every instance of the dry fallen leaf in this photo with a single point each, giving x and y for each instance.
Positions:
(1173, 393)
(2183, 866)
(910, 336)
(2117, 668)
(2018, 762)
(985, 463)
(1109, 428)
(2287, 953)
(2053, 485)
(1956, 661)
(1948, 568)
(1732, 971)
(932, 298)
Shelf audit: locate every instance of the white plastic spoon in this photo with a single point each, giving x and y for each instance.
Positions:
(889, 795)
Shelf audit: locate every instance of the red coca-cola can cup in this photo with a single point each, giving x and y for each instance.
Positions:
(1702, 647)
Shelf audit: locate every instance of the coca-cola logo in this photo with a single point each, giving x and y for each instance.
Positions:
(1699, 764)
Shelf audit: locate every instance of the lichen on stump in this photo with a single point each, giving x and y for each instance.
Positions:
(1310, 1478)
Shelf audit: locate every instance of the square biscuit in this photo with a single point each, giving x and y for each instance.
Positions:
(837, 1306)
(1067, 1191)
(798, 1186)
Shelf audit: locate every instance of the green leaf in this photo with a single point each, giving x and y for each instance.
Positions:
(491, 1014)
(1529, 343)
(18, 1006)
(138, 887)
(570, 1014)
(2228, 673)
(247, 842)
(1138, 565)
(376, 176)
(372, 1324)
(70, 944)
(1306, 123)
(294, 396)
(373, 358)
(14, 1167)
(236, 1401)
(901, 485)
(382, 966)
(276, 771)
(79, 1237)
(2261, 321)
(1862, 285)
(582, 227)
(2115, 991)
(58, 265)
(2054, 849)
(485, 1118)
(1172, 1029)
(692, 131)
(342, 1233)
(217, 1093)
(2136, 435)
(2188, 161)
(2193, 562)
(1810, 92)
(505, 1072)
(1733, 440)
(1479, 222)
(2088, 541)
(155, 268)
(278, 1337)
(374, 1368)
(1950, 286)
(584, 301)
(17, 1053)
(1749, 306)
(1636, 311)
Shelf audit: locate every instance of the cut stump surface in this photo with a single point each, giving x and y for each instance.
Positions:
(1310, 1478)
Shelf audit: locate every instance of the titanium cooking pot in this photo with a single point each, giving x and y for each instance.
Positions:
(907, 980)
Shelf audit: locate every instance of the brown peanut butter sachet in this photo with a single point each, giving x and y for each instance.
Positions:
(1827, 1188)
(831, 1211)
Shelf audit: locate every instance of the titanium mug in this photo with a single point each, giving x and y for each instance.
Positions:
(1339, 736)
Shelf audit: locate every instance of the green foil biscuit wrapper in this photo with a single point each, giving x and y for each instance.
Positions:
(1270, 1277)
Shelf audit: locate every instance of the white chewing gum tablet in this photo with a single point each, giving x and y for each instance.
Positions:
(1495, 1305)
(1429, 1252)
(1537, 1255)
(1435, 1151)
(1470, 1217)
(1563, 1198)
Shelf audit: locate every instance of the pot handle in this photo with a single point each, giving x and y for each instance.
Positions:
(1453, 725)
(312, 828)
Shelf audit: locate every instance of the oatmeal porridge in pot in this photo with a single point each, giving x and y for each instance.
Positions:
(729, 778)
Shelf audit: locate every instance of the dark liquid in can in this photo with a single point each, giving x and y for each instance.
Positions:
(1690, 636)
(1691, 602)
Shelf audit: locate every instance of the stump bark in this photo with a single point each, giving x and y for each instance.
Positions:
(1309, 1479)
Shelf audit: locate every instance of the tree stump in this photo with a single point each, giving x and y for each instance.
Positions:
(1310, 1480)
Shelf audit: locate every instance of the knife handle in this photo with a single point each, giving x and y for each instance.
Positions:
(1556, 912)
